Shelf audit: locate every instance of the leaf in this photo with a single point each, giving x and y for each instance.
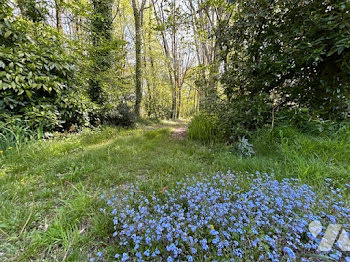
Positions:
(7, 34)
(29, 94)
(331, 52)
(340, 49)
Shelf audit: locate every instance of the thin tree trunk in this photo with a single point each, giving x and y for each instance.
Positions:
(58, 15)
(138, 17)
(153, 97)
(179, 102)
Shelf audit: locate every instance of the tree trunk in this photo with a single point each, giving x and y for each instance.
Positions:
(173, 104)
(58, 15)
(179, 103)
(102, 58)
(138, 16)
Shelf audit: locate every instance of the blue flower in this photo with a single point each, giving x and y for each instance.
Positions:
(204, 244)
(289, 252)
(214, 216)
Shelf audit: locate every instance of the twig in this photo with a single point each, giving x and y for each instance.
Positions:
(73, 186)
(26, 223)
(273, 119)
(65, 254)
(2, 231)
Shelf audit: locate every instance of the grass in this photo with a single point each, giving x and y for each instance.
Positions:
(50, 190)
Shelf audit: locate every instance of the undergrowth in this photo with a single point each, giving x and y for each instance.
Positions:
(50, 189)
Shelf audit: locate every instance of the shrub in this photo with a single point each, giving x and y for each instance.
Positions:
(38, 80)
(224, 218)
(204, 127)
(266, 50)
(244, 148)
(122, 115)
(243, 116)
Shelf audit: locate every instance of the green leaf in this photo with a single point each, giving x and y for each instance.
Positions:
(29, 94)
(7, 34)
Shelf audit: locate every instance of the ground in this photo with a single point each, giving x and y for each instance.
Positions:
(50, 191)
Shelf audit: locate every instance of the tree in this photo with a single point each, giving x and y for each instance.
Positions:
(101, 32)
(38, 76)
(177, 51)
(204, 18)
(33, 10)
(58, 15)
(293, 54)
(138, 9)
(283, 59)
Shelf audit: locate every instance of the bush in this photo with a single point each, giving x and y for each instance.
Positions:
(205, 127)
(224, 218)
(303, 121)
(38, 80)
(266, 50)
(244, 148)
(242, 117)
(122, 115)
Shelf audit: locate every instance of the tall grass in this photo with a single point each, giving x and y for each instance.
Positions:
(15, 134)
(205, 128)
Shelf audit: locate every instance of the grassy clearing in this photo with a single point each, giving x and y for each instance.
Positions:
(50, 190)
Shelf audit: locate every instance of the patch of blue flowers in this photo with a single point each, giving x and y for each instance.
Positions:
(214, 219)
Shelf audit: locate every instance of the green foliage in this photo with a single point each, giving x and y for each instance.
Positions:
(102, 55)
(66, 177)
(302, 120)
(122, 115)
(14, 133)
(243, 116)
(38, 80)
(205, 128)
(244, 148)
(294, 54)
(33, 9)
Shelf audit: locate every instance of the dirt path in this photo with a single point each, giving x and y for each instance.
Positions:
(180, 132)
(178, 128)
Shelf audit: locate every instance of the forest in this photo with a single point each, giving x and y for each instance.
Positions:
(175, 130)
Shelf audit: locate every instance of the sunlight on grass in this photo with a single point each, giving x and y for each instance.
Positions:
(56, 185)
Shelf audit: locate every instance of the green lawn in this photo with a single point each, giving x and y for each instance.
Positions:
(50, 190)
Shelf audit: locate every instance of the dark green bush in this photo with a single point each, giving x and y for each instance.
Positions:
(38, 82)
(122, 115)
(295, 53)
(231, 121)
(242, 117)
(290, 54)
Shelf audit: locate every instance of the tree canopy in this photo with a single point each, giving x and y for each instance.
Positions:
(83, 62)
